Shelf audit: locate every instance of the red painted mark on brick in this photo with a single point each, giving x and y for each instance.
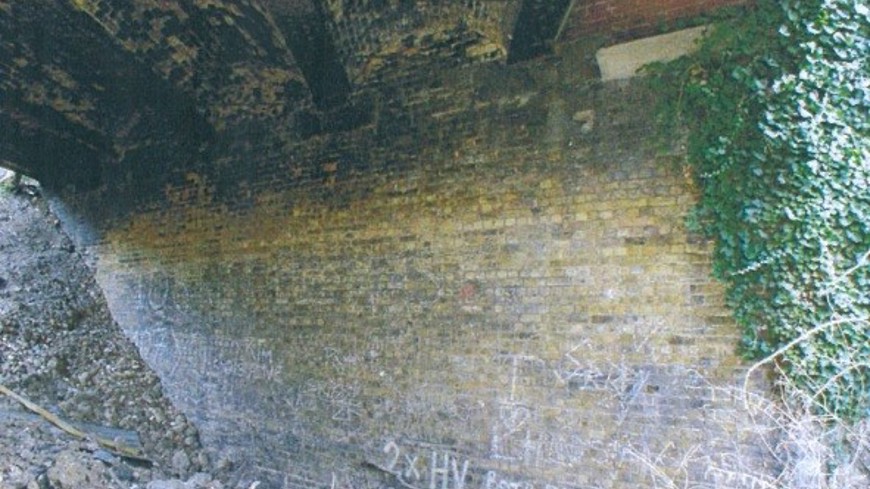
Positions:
(467, 292)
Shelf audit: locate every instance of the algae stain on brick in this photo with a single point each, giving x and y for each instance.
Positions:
(470, 290)
(515, 326)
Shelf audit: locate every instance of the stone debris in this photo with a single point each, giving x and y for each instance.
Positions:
(60, 348)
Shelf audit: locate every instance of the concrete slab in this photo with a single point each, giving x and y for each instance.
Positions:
(623, 60)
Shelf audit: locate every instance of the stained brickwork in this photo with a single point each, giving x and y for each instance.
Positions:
(228, 54)
(146, 91)
(474, 277)
(388, 39)
(495, 289)
(627, 19)
(126, 93)
(78, 109)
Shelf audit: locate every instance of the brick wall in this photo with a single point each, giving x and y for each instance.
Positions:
(623, 19)
(490, 285)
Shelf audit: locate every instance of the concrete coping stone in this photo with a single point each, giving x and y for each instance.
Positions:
(622, 61)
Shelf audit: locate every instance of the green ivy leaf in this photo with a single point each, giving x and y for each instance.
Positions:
(776, 103)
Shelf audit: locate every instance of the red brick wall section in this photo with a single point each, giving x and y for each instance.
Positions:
(627, 19)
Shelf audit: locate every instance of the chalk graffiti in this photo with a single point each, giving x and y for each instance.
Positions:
(494, 480)
(519, 435)
(293, 478)
(338, 400)
(439, 469)
(511, 434)
(618, 379)
(245, 357)
(571, 370)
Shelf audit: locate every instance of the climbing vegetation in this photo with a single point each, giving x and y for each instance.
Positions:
(775, 105)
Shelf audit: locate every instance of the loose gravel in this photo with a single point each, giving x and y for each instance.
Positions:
(60, 348)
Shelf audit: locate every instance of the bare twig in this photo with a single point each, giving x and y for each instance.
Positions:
(793, 343)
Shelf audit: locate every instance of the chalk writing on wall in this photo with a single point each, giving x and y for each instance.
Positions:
(495, 480)
(520, 434)
(340, 401)
(433, 470)
(439, 469)
(246, 357)
(293, 478)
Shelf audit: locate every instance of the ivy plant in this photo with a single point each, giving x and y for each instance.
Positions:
(775, 106)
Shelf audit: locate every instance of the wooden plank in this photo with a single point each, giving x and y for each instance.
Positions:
(126, 437)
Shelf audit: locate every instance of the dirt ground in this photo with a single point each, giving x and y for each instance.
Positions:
(60, 348)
